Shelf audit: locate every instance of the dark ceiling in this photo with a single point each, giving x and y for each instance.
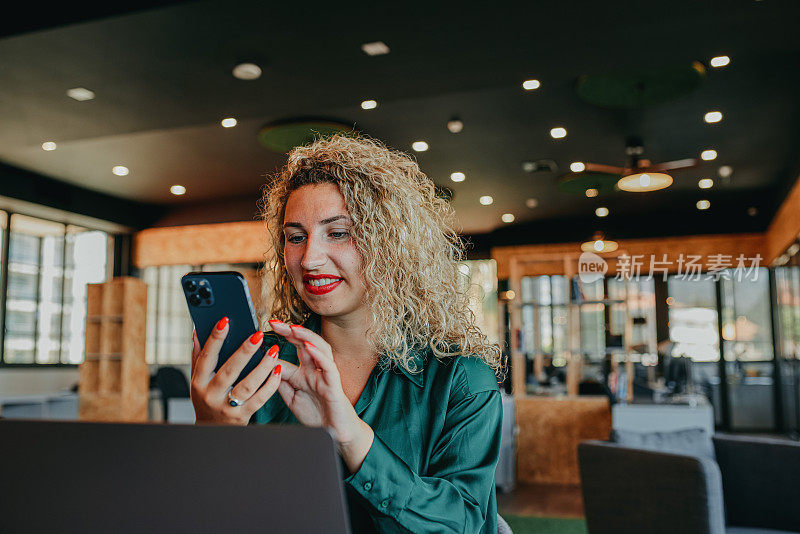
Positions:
(162, 78)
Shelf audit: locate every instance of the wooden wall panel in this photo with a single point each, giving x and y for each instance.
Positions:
(785, 226)
(237, 242)
(544, 259)
(550, 429)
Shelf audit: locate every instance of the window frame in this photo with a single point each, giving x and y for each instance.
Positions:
(4, 273)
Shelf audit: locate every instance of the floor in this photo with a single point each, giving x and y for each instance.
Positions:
(542, 500)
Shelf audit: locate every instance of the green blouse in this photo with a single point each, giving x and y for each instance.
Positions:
(437, 440)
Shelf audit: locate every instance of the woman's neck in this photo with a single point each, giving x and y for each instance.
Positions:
(347, 337)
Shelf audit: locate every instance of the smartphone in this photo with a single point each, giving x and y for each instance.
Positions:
(214, 295)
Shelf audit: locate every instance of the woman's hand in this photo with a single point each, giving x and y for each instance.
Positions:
(313, 392)
(209, 391)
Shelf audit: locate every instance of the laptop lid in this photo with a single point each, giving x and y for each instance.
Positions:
(137, 478)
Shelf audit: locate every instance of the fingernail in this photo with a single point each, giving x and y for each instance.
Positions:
(272, 321)
(256, 338)
(277, 370)
(273, 351)
(307, 344)
(296, 326)
(222, 323)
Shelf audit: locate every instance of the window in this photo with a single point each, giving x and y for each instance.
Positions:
(693, 323)
(48, 267)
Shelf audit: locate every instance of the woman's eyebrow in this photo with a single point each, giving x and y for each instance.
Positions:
(323, 221)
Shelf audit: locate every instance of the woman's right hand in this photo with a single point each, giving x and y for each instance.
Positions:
(209, 391)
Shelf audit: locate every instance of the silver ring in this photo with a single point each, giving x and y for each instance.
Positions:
(233, 401)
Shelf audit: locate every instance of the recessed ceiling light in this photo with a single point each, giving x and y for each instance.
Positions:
(708, 155)
(369, 104)
(230, 122)
(81, 94)
(558, 133)
(486, 200)
(419, 146)
(457, 176)
(601, 211)
(376, 48)
(120, 170)
(247, 71)
(530, 85)
(48, 145)
(703, 204)
(725, 171)
(752, 212)
(507, 217)
(177, 190)
(528, 166)
(712, 117)
(532, 203)
(455, 125)
(591, 192)
(644, 181)
(705, 183)
(720, 61)
(577, 166)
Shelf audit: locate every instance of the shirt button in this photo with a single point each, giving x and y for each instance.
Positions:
(384, 503)
(367, 486)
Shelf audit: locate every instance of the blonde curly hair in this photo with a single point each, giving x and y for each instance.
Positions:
(412, 287)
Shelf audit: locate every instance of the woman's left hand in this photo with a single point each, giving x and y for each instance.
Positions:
(313, 392)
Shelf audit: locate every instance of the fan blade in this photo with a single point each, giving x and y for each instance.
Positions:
(608, 169)
(675, 165)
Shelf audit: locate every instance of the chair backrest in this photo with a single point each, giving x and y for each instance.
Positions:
(173, 384)
(634, 490)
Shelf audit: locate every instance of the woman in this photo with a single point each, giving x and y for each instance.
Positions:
(388, 358)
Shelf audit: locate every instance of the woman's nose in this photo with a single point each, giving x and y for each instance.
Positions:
(314, 256)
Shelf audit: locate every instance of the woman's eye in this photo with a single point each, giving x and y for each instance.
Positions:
(295, 239)
(338, 235)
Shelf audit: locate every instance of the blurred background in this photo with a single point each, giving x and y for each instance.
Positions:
(135, 139)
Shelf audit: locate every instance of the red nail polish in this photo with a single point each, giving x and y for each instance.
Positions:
(255, 339)
(222, 323)
(277, 370)
(307, 344)
(273, 351)
(273, 321)
(296, 326)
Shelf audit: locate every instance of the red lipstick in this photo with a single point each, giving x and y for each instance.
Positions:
(320, 289)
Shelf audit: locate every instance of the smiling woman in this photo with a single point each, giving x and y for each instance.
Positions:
(389, 357)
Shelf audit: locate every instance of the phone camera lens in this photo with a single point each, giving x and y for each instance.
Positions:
(189, 285)
(194, 300)
(204, 293)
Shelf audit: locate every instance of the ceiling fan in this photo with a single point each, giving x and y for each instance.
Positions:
(639, 174)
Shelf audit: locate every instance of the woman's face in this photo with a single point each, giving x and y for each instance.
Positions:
(319, 252)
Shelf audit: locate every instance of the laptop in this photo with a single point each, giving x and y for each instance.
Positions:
(139, 478)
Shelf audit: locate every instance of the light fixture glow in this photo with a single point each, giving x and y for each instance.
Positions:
(247, 71)
(720, 61)
(419, 146)
(599, 243)
(369, 104)
(120, 170)
(530, 85)
(81, 94)
(712, 117)
(591, 192)
(725, 171)
(705, 183)
(177, 190)
(708, 155)
(375, 48)
(703, 204)
(508, 217)
(558, 133)
(646, 181)
(601, 211)
(486, 200)
(455, 126)
(577, 166)
(532, 203)
(458, 176)
(230, 122)
(48, 145)
(752, 211)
